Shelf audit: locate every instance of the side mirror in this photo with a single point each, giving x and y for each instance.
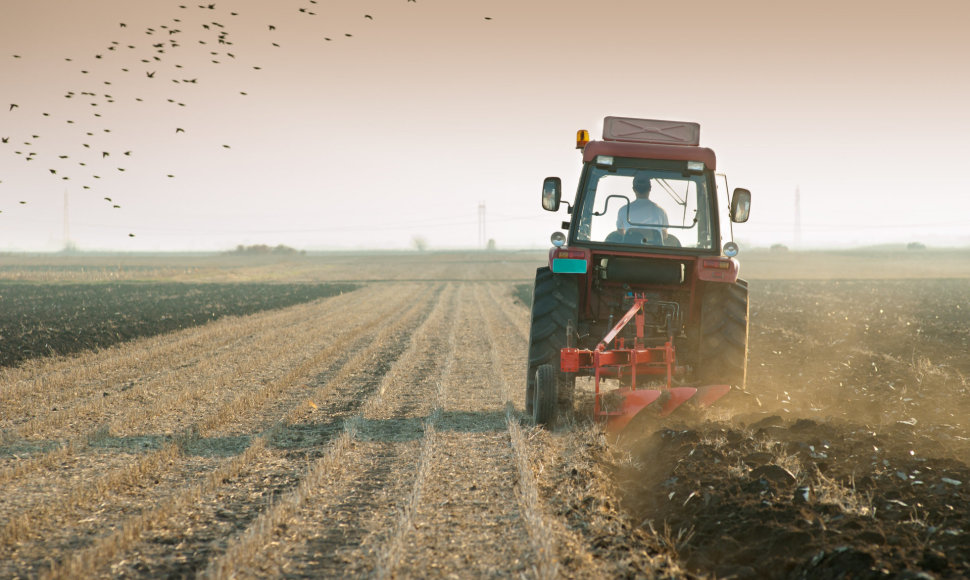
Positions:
(740, 205)
(551, 193)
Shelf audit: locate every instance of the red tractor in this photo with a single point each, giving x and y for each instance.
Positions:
(643, 294)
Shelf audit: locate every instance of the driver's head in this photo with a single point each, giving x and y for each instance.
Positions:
(641, 184)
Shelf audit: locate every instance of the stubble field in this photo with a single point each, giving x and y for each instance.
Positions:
(376, 429)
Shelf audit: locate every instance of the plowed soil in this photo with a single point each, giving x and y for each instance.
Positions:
(380, 433)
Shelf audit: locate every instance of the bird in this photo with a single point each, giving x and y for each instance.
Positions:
(368, 16)
(108, 199)
(5, 139)
(271, 27)
(116, 206)
(53, 171)
(131, 235)
(226, 146)
(150, 74)
(179, 130)
(488, 18)
(128, 153)
(23, 203)
(13, 106)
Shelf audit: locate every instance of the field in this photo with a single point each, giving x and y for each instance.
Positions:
(362, 415)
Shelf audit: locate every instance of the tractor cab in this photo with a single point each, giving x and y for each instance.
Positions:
(647, 185)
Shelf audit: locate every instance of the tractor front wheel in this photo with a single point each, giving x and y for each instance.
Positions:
(545, 406)
(555, 310)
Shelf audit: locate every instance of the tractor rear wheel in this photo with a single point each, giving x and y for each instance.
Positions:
(545, 406)
(723, 349)
(555, 304)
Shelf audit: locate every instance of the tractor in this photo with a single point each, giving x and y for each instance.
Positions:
(642, 293)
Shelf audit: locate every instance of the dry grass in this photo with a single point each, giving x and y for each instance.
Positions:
(101, 552)
(198, 378)
(245, 548)
(389, 555)
(542, 529)
(77, 499)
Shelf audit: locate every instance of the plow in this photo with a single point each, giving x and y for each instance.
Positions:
(630, 363)
(642, 294)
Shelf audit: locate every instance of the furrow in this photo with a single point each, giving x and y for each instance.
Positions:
(360, 464)
(468, 522)
(176, 394)
(45, 383)
(170, 458)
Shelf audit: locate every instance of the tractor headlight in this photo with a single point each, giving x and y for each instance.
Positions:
(731, 249)
(558, 239)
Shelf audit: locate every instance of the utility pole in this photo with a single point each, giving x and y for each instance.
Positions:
(798, 219)
(481, 225)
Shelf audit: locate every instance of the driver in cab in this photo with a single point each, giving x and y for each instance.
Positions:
(641, 212)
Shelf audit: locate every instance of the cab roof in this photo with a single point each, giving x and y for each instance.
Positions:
(650, 151)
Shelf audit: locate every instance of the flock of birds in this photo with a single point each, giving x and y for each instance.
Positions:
(91, 155)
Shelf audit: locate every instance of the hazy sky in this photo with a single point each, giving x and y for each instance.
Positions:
(431, 107)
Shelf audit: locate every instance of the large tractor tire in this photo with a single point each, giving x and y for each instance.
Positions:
(723, 346)
(545, 404)
(555, 306)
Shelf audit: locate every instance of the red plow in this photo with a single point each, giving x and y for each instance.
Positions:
(634, 365)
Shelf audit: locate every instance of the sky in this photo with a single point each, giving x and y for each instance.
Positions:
(429, 109)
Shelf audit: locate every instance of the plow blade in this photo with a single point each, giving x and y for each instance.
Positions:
(710, 393)
(677, 396)
(633, 402)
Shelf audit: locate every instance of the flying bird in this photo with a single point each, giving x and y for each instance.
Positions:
(116, 206)
(104, 154)
(150, 74)
(5, 139)
(179, 130)
(368, 16)
(131, 235)
(13, 106)
(108, 199)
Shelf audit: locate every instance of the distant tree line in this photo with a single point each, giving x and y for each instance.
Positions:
(263, 249)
